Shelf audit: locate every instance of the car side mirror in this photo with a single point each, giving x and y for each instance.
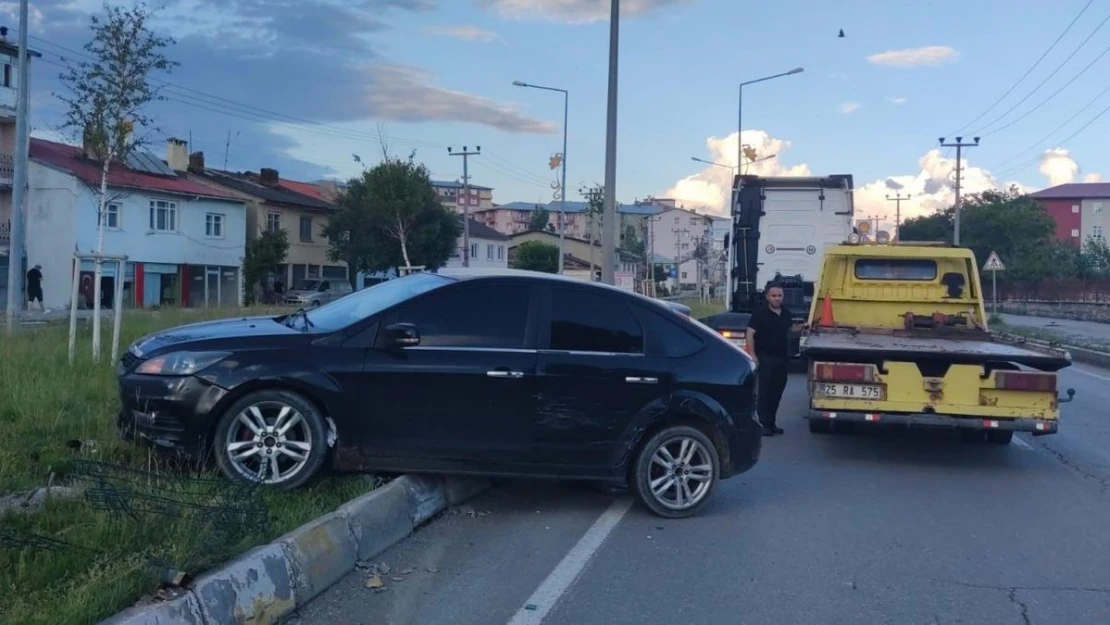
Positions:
(401, 335)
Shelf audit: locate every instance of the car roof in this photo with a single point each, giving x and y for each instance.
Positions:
(474, 273)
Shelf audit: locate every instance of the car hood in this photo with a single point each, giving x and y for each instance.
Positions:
(299, 293)
(205, 331)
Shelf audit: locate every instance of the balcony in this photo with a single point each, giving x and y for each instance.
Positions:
(7, 170)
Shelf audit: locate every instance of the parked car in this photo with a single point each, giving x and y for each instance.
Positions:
(496, 372)
(318, 292)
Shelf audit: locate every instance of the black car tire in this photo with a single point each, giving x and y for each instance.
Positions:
(1000, 437)
(642, 470)
(314, 424)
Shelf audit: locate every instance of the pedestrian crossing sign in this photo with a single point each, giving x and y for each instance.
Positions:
(994, 263)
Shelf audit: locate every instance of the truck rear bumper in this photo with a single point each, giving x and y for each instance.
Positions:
(1038, 427)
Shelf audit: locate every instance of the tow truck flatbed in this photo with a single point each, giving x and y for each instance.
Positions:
(893, 346)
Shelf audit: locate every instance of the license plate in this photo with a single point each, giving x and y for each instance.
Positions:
(850, 391)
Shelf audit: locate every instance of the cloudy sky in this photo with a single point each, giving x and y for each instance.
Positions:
(302, 85)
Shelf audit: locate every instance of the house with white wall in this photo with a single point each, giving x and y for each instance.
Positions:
(488, 248)
(185, 241)
(674, 235)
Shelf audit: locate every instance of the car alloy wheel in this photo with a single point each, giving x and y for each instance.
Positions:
(271, 437)
(676, 471)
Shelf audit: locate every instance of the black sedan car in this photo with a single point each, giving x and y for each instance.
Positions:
(505, 373)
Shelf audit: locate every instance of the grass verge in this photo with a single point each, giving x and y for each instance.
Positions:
(1051, 336)
(104, 561)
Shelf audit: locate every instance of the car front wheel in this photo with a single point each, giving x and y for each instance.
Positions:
(675, 472)
(272, 437)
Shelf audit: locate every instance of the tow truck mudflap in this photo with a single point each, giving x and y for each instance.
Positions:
(1037, 427)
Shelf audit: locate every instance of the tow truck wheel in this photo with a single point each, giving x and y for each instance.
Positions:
(1000, 437)
(820, 426)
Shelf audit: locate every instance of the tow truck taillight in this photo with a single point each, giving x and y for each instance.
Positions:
(1025, 381)
(842, 372)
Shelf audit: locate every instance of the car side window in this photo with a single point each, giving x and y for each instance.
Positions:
(471, 315)
(582, 321)
(667, 337)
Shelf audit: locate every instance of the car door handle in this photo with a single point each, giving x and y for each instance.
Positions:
(639, 380)
(501, 373)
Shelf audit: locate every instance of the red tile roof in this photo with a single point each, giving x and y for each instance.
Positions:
(305, 188)
(71, 159)
(1075, 191)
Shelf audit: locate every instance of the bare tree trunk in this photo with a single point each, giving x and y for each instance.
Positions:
(97, 269)
(402, 236)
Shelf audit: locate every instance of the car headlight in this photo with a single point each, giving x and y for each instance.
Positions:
(180, 363)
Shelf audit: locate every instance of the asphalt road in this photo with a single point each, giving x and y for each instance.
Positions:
(848, 529)
(1063, 327)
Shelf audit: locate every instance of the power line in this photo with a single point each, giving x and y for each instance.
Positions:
(1031, 68)
(1048, 136)
(1053, 95)
(1065, 140)
(232, 108)
(1047, 78)
(897, 199)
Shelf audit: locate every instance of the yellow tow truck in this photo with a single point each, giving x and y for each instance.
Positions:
(897, 334)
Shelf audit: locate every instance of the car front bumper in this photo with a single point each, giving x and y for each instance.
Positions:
(1038, 427)
(172, 413)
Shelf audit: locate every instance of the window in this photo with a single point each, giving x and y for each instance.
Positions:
(306, 229)
(474, 250)
(1075, 232)
(214, 225)
(8, 74)
(163, 216)
(489, 252)
(273, 222)
(664, 335)
(1098, 208)
(343, 312)
(896, 269)
(500, 252)
(110, 217)
(1097, 232)
(683, 275)
(482, 316)
(676, 219)
(593, 322)
(1075, 208)
(313, 271)
(694, 221)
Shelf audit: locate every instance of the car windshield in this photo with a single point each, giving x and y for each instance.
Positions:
(308, 285)
(361, 304)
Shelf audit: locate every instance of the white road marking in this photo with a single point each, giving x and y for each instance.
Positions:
(1085, 372)
(545, 597)
(1020, 442)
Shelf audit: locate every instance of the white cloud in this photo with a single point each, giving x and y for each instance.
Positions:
(849, 107)
(896, 100)
(573, 11)
(467, 33)
(710, 188)
(405, 94)
(914, 57)
(1093, 177)
(1058, 166)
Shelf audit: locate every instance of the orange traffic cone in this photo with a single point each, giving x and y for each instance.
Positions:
(826, 313)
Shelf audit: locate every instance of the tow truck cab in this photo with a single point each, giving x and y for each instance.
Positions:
(898, 335)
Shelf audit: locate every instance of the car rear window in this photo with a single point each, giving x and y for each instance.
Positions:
(896, 269)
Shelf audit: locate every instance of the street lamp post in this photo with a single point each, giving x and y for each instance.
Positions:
(740, 110)
(563, 182)
(609, 221)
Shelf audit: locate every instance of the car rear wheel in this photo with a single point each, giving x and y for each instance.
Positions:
(272, 437)
(676, 471)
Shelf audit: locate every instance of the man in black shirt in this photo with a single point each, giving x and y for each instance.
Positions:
(768, 338)
(34, 285)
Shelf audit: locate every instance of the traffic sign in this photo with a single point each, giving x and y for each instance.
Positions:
(994, 263)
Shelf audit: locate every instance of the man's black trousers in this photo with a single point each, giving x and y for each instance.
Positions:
(771, 378)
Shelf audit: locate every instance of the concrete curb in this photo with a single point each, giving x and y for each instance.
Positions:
(1079, 354)
(267, 583)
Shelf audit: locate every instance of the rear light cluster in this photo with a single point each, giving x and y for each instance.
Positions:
(1025, 381)
(841, 372)
(730, 334)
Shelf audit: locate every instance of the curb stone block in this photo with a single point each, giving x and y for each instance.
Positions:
(380, 518)
(256, 588)
(1089, 356)
(184, 610)
(321, 552)
(427, 495)
(460, 489)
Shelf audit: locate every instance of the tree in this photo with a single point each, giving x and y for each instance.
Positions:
(537, 256)
(935, 227)
(105, 103)
(541, 219)
(390, 217)
(264, 255)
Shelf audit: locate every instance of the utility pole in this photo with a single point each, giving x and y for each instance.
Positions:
(959, 145)
(897, 199)
(466, 154)
(17, 247)
(609, 221)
